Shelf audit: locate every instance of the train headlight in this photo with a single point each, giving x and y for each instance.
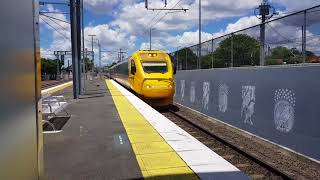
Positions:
(170, 86)
(148, 87)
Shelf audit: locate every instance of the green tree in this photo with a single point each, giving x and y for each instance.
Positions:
(48, 68)
(290, 56)
(212, 60)
(89, 64)
(185, 57)
(245, 51)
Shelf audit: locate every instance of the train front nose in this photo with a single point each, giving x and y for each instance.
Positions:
(158, 89)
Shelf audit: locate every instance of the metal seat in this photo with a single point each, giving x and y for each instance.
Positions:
(51, 107)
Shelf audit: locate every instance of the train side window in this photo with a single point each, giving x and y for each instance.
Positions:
(133, 67)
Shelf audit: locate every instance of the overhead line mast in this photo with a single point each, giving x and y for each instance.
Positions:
(264, 13)
(161, 9)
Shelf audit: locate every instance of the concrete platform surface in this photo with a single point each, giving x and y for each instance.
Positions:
(93, 143)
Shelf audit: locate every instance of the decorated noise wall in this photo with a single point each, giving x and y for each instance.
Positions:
(280, 104)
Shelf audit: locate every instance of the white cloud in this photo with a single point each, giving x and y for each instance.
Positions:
(134, 18)
(101, 6)
(156, 44)
(242, 23)
(188, 39)
(46, 53)
(111, 40)
(292, 5)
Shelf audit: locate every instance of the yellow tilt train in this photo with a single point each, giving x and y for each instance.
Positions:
(149, 73)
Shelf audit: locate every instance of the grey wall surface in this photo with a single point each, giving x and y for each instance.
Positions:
(18, 102)
(280, 104)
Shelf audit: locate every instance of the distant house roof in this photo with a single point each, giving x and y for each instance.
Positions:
(313, 59)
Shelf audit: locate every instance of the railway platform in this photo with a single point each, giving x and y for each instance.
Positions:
(112, 134)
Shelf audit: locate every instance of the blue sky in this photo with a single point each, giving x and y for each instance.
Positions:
(125, 24)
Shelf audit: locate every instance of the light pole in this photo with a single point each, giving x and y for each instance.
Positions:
(199, 46)
(83, 49)
(177, 63)
(99, 45)
(92, 35)
(151, 38)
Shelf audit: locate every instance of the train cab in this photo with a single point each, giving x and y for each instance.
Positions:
(151, 76)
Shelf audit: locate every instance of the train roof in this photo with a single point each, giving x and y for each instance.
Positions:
(136, 53)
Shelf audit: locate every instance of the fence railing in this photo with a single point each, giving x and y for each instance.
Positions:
(289, 39)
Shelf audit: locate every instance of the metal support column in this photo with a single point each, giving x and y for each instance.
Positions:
(199, 46)
(99, 56)
(232, 49)
(83, 48)
(58, 68)
(150, 38)
(304, 36)
(85, 62)
(177, 63)
(73, 20)
(264, 11)
(212, 53)
(78, 14)
(186, 58)
(92, 54)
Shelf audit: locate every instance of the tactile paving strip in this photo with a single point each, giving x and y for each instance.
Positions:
(155, 157)
(202, 160)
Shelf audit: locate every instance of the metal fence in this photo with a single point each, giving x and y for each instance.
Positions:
(289, 39)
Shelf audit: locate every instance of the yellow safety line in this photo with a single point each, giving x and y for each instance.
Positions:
(155, 157)
(63, 86)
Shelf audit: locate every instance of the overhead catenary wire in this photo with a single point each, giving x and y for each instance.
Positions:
(52, 12)
(54, 29)
(273, 29)
(151, 25)
(165, 14)
(157, 14)
(55, 18)
(53, 3)
(63, 28)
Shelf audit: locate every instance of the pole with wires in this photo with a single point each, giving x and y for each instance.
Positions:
(58, 68)
(85, 63)
(78, 12)
(199, 46)
(74, 43)
(304, 36)
(150, 38)
(92, 35)
(264, 12)
(262, 40)
(99, 55)
(83, 49)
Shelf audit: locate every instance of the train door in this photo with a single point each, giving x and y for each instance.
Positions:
(132, 72)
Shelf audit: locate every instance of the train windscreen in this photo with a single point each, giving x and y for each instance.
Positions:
(155, 67)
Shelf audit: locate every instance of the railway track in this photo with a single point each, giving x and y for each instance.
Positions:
(52, 83)
(253, 167)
